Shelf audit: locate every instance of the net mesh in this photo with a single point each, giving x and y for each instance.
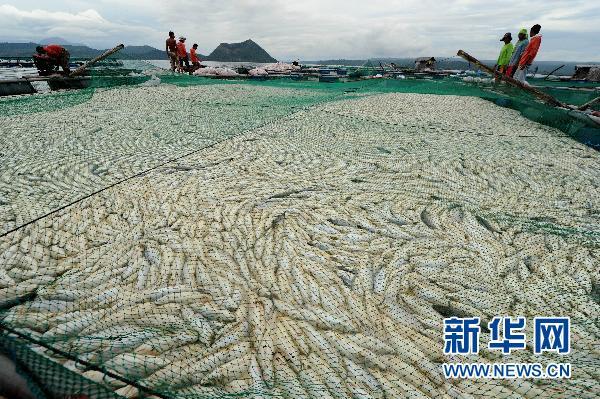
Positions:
(45, 378)
(194, 238)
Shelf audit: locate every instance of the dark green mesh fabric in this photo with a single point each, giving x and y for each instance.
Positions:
(46, 379)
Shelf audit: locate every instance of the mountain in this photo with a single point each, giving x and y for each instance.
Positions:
(141, 53)
(59, 40)
(145, 53)
(17, 50)
(25, 50)
(247, 51)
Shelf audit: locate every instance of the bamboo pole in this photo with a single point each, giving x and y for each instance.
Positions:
(589, 104)
(88, 64)
(547, 76)
(539, 94)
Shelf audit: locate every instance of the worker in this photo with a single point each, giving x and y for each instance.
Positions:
(505, 53)
(194, 57)
(182, 55)
(171, 48)
(517, 52)
(49, 58)
(529, 54)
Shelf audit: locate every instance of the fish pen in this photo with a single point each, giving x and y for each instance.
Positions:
(182, 237)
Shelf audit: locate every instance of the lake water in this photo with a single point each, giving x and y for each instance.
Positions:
(165, 64)
(17, 72)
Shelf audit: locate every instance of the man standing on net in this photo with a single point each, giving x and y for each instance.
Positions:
(529, 54)
(505, 53)
(194, 58)
(171, 47)
(517, 52)
(182, 55)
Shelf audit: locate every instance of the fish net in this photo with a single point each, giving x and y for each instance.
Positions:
(179, 237)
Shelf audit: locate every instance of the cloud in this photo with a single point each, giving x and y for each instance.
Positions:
(317, 29)
(308, 29)
(85, 26)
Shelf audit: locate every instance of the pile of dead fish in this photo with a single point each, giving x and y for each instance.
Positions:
(317, 255)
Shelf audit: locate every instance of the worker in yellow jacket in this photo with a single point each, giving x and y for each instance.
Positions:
(505, 53)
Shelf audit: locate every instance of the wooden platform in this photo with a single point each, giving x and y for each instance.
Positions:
(13, 87)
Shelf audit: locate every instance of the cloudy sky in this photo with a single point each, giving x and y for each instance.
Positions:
(315, 29)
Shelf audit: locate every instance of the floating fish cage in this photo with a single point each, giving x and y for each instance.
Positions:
(29, 86)
(15, 87)
(113, 71)
(69, 83)
(103, 76)
(259, 77)
(198, 238)
(17, 64)
(329, 78)
(327, 71)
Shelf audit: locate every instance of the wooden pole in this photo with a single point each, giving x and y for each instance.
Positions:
(88, 64)
(588, 104)
(539, 94)
(547, 76)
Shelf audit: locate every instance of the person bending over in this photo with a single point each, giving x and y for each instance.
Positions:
(51, 57)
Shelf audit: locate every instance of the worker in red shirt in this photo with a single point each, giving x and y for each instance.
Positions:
(49, 58)
(530, 53)
(194, 57)
(182, 55)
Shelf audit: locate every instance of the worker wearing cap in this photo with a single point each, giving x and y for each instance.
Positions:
(530, 53)
(505, 53)
(50, 57)
(182, 55)
(517, 52)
